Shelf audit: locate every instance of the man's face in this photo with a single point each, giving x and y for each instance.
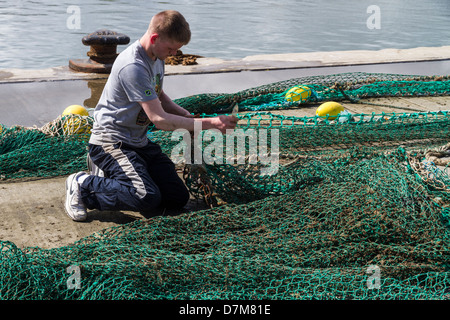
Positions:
(165, 47)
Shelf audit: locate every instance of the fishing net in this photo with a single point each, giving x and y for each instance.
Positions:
(357, 207)
(57, 148)
(345, 86)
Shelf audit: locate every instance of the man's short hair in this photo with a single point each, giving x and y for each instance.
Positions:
(171, 24)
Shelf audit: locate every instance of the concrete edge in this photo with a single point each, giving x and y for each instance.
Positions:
(251, 63)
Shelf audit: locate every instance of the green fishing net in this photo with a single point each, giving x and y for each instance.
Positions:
(357, 208)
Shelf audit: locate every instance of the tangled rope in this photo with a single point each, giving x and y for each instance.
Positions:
(440, 156)
(426, 166)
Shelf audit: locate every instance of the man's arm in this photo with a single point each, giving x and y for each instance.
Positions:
(170, 122)
(171, 107)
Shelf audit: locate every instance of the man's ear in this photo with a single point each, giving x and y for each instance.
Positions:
(153, 37)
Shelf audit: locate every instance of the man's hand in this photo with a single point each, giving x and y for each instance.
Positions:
(223, 123)
(189, 115)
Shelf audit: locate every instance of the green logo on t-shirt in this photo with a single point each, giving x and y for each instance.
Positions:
(148, 92)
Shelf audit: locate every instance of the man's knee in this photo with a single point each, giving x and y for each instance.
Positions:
(150, 201)
(182, 199)
(176, 200)
(173, 200)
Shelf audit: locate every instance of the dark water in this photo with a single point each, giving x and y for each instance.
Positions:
(41, 34)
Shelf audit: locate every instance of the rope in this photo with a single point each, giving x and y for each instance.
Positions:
(440, 156)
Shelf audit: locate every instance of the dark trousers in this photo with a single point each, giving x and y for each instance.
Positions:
(135, 179)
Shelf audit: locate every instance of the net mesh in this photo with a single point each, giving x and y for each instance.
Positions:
(358, 208)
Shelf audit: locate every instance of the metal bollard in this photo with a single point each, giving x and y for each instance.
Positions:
(103, 51)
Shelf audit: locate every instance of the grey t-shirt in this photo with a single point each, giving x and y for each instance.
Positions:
(118, 115)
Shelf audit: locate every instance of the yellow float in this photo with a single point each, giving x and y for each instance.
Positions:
(330, 108)
(75, 109)
(74, 120)
(298, 94)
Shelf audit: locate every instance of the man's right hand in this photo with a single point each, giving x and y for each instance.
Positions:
(222, 123)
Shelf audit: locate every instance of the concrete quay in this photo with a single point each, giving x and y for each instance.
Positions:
(253, 63)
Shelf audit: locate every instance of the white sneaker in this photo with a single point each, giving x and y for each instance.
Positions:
(74, 206)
